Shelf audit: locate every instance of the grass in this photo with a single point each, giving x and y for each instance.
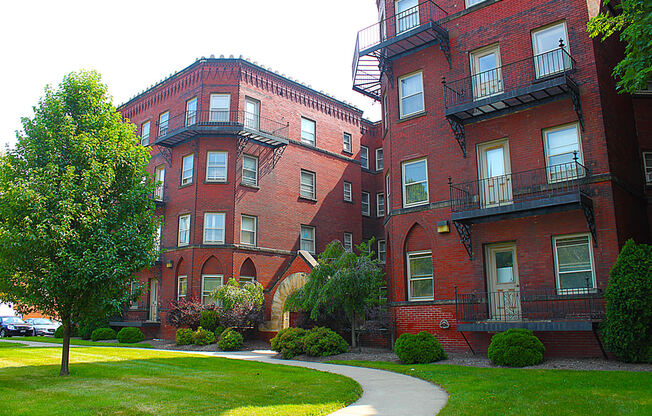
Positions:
(506, 391)
(106, 381)
(77, 341)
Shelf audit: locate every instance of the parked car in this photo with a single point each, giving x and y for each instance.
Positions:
(43, 326)
(13, 325)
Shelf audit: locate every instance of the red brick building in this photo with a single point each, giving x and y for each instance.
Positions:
(513, 170)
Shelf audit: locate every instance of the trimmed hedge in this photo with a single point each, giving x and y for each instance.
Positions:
(101, 334)
(230, 340)
(184, 336)
(289, 342)
(58, 333)
(419, 349)
(210, 320)
(130, 335)
(516, 348)
(203, 337)
(88, 325)
(322, 341)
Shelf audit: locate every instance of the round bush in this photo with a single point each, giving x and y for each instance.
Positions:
(184, 336)
(130, 335)
(58, 333)
(419, 349)
(203, 337)
(209, 320)
(88, 325)
(289, 342)
(218, 331)
(230, 340)
(516, 348)
(321, 341)
(101, 334)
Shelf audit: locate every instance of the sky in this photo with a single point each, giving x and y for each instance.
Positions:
(134, 44)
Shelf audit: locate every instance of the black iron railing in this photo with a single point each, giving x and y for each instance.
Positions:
(508, 77)
(518, 187)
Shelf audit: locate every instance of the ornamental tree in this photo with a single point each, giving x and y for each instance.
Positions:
(76, 217)
(241, 305)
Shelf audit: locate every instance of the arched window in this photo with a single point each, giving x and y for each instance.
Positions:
(247, 272)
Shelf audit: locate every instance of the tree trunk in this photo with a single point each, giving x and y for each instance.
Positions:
(353, 338)
(65, 351)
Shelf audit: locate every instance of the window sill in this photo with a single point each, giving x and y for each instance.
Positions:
(347, 152)
(216, 182)
(348, 201)
(183, 245)
(213, 243)
(305, 198)
(411, 117)
(185, 185)
(247, 185)
(416, 204)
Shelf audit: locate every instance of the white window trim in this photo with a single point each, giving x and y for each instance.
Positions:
(366, 212)
(348, 148)
(365, 150)
(159, 190)
(250, 279)
(388, 187)
(314, 132)
(226, 167)
(179, 242)
(255, 230)
(560, 291)
(144, 140)
(647, 169)
(163, 131)
(219, 110)
(223, 229)
(404, 185)
(187, 180)
(580, 156)
(158, 236)
(244, 156)
(348, 245)
(382, 261)
(409, 273)
(179, 279)
(379, 165)
(380, 208)
(350, 193)
(191, 114)
(210, 276)
(469, 3)
(535, 49)
(313, 196)
(314, 237)
(400, 94)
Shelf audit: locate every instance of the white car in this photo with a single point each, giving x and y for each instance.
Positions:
(43, 326)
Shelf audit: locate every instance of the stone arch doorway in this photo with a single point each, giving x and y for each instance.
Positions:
(280, 320)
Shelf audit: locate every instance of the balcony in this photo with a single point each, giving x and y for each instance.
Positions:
(392, 37)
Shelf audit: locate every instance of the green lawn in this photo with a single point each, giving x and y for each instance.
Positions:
(77, 341)
(113, 381)
(504, 391)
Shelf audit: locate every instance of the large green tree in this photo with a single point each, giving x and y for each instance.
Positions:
(632, 19)
(76, 218)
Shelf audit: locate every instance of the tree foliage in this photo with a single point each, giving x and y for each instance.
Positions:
(632, 19)
(76, 219)
(241, 306)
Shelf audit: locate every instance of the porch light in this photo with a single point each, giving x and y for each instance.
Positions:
(443, 227)
(169, 264)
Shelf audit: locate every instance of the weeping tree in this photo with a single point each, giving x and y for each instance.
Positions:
(76, 217)
(342, 282)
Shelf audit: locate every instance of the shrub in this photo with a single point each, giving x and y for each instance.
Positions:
(210, 319)
(184, 336)
(130, 335)
(203, 337)
(516, 348)
(88, 325)
(230, 340)
(218, 331)
(185, 313)
(289, 342)
(321, 341)
(242, 304)
(101, 334)
(627, 328)
(58, 333)
(419, 349)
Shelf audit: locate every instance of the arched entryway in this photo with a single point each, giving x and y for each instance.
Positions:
(287, 287)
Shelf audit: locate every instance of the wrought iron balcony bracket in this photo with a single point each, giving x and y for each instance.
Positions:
(587, 207)
(166, 152)
(458, 131)
(464, 231)
(574, 93)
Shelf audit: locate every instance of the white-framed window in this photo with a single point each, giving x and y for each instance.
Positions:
(364, 202)
(159, 180)
(415, 182)
(247, 279)
(348, 242)
(252, 113)
(133, 288)
(420, 276)
(163, 123)
(209, 283)
(307, 185)
(308, 128)
(184, 230)
(214, 227)
(382, 250)
(307, 238)
(387, 192)
(380, 204)
(407, 14)
(486, 73)
(191, 111)
(410, 94)
(248, 225)
(364, 157)
(549, 59)
(250, 170)
(574, 271)
(470, 3)
(220, 108)
(182, 287)
(187, 166)
(346, 143)
(348, 194)
(144, 133)
(647, 167)
(216, 166)
(561, 144)
(379, 159)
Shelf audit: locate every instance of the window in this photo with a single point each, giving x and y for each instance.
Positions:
(163, 123)
(252, 113)
(132, 290)
(365, 203)
(186, 170)
(182, 287)
(216, 166)
(420, 278)
(561, 145)
(364, 157)
(144, 134)
(486, 74)
(647, 166)
(209, 283)
(307, 186)
(549, 59)
(348, 195)
(379, 159)
(346, 143)
(184, 230)
(380, 204)
(307, 238)
(157, 237)
(387, 191)
(407, 14)
(574, 263)
(348, 242)
(415, 183)
(248, 230)
(410, 94)
(159, 180)
(307, 131)
(220, 108)
(247, 279)
(250, 170)
(381, 251)
(191, 111)
(214, 228)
